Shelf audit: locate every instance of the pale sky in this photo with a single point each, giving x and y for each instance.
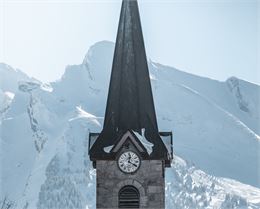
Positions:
(211, 38)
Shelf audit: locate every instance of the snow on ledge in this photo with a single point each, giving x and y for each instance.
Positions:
(148, 145)
(108, 149)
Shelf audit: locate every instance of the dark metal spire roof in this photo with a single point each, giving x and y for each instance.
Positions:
(130, 98)
(130, 103)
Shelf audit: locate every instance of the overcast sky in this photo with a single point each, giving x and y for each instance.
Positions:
(212, 38)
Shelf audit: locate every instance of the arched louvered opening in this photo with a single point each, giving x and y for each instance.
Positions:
(129, 197)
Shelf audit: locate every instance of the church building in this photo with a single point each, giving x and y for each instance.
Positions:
(130, 154)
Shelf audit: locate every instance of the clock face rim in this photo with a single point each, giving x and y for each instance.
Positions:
(131, 171)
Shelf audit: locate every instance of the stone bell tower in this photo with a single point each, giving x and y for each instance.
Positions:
(130, 154)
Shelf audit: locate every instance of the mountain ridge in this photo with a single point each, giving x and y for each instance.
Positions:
(47, 152)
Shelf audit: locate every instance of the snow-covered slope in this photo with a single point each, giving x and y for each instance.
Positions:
(44, 136)
(10, 77)
(188, 187)
(205, 131)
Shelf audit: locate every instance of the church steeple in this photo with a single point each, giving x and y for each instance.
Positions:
(130, 103)
(129, 154)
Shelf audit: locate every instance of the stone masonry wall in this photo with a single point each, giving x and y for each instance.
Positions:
(149, 180)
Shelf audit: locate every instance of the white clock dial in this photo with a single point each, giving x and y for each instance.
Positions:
(129, 162)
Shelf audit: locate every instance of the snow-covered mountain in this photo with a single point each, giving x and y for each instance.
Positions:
(44, 136)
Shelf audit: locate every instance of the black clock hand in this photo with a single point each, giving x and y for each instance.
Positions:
(132, 163)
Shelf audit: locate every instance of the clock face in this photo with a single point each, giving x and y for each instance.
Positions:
(129, 162)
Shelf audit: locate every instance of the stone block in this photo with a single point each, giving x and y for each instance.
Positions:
(143, 201)
(154, 189)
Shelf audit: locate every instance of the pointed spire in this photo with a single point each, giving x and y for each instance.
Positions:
(130, 103)
(130, 100)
